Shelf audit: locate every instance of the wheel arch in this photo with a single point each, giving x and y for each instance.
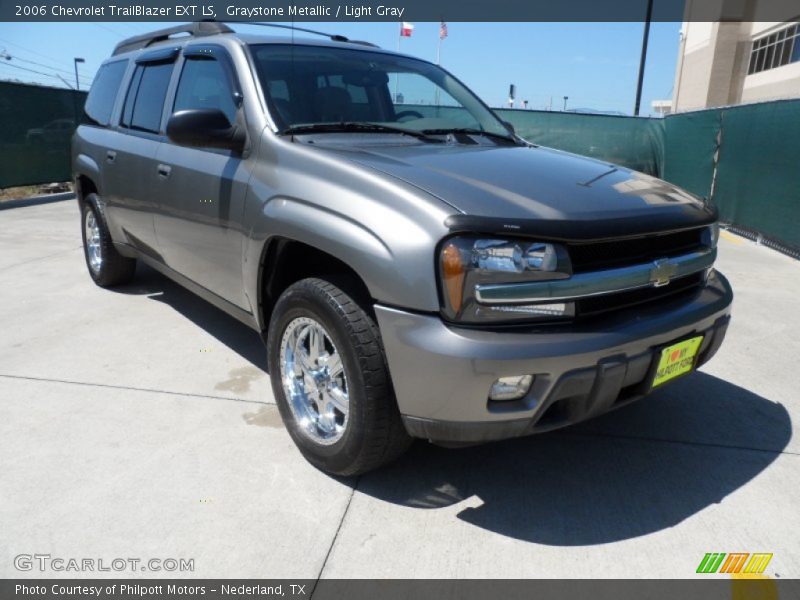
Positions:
(285, 261)
(86, 177)
(84, 185)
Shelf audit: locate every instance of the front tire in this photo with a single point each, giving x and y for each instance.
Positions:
(107, 267)
(330, 379)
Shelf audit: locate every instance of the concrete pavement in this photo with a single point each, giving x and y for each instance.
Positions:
(139, 422)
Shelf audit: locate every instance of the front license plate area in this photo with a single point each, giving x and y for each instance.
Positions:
(675, 360)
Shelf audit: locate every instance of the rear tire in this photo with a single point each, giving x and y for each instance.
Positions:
(337, 401)
(107, 267)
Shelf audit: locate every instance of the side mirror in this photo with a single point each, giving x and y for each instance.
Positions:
(510, 128)
(204, 128)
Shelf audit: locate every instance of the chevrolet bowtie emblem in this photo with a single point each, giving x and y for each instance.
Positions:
(662, 271)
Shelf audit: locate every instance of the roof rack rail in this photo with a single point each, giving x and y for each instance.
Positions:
(196, 29)
(331, 36)
(363, 43)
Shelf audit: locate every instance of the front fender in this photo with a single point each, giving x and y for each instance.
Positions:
(398, 272)
(383, 228)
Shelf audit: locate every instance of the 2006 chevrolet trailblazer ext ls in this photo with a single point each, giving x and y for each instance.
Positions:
(417, 270)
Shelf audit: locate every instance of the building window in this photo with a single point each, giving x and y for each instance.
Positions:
(775, 50)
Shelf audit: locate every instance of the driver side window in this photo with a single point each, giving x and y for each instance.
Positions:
(204, 84)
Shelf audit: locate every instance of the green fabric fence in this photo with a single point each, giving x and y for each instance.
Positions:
(746, 160)
(690, 146)
(636, 143)
(758, 175)
(36, 125)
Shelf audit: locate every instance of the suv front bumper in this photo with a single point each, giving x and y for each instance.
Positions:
(442, 374)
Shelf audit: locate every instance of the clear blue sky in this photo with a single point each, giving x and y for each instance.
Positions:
(595, 64)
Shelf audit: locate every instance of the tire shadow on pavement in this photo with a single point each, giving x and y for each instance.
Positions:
(626, 474)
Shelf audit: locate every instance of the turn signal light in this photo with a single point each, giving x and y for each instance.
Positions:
(453, 271)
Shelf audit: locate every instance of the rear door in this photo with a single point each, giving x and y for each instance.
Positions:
(130, 166)
(202, 190)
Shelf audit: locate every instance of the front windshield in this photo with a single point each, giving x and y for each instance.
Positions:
(319, 85)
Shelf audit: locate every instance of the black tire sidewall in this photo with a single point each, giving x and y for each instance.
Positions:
(308, 301)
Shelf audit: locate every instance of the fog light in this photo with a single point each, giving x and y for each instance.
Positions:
(510, 388)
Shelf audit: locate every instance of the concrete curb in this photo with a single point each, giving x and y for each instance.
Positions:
(47, 199)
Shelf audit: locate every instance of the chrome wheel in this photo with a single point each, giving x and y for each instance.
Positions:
(94, 247)
(314, 381)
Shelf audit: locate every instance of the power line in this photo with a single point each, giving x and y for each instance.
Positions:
(117, 33)
(34, 52)
(5, 64)
(28, 70)
(38, 64)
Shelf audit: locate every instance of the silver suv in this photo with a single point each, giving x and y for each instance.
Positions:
(416, 269)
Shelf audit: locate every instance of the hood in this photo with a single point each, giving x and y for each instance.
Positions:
(518, 187)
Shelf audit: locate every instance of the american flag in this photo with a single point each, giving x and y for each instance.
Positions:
(442, 30)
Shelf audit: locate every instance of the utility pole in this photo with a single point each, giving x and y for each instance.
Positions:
(643, 59)
(76, 61)
(565, 102)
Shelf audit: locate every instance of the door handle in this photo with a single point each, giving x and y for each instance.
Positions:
(111, 156)
(164, 171)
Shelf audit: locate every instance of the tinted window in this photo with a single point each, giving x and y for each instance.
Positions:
(145, 101)
(127, 110)
(204, 84)
(103, 93)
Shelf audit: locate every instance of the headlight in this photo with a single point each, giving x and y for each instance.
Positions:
(465, 262)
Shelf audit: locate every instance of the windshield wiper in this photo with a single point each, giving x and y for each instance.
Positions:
(470, 131)
(356, 127)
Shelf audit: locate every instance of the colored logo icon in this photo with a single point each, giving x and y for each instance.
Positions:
(734, 562)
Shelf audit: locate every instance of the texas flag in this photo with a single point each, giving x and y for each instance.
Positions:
(406, 29)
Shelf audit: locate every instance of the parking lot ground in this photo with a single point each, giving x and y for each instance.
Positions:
(139, 422)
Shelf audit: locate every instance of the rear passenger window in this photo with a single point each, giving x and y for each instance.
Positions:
(100, 102)
(204, 84)
(145, 101)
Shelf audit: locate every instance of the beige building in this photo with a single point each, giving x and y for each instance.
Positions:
(733, 63)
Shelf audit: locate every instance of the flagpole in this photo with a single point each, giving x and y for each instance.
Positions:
(439, 58)
(397, 75)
